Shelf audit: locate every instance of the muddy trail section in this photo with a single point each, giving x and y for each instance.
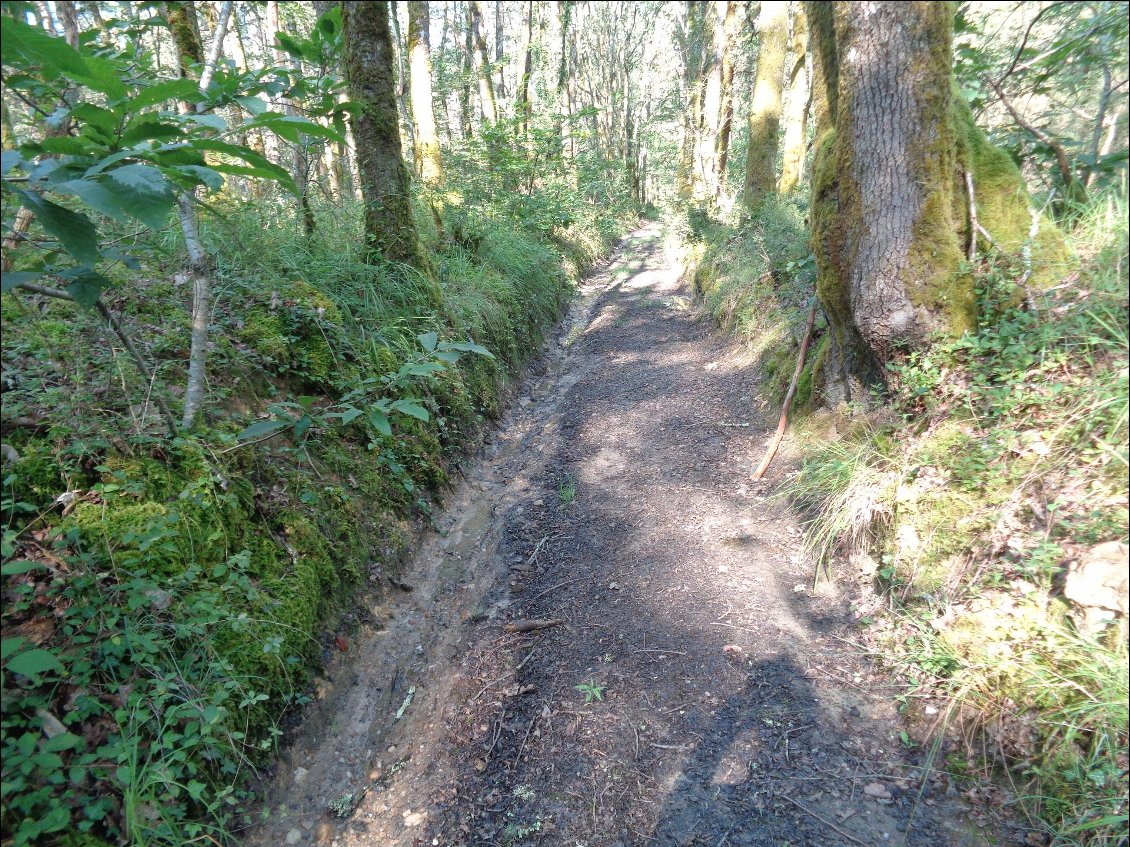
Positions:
(683, 685)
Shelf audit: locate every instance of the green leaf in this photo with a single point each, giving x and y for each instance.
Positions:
(290, 45)
(86, 285)
(9, 281)
(193, 175)
(172, 89)
(101, 119)
(149, 127)
(54, 55)
(428, 340)
(143, 191)
(411, 408)
(13, 568)
(96, 196)
(467, 347)
(253, 105)
(31, 663)
(260, 429)
(8, 160)
(61, 742)
(293, 127)
(255, 160)
(8, 646)
(380, 421)
(449, 356)
(74, 230)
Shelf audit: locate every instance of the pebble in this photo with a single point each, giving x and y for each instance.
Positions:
(294, 836)
(300, 775)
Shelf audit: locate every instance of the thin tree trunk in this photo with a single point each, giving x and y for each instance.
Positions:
(522, 99)
(765, 111)
(730, 24)
(398, 45)
(428, 162)
(190, 51)
(500, 48)
(301, 154)
(468, 122)
(486, 85)
(390, 228)
(796, 110)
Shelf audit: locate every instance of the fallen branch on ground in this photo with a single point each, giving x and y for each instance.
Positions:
(771, 451)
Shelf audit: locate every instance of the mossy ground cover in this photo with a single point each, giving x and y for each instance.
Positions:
(993, 464)
(166, 601)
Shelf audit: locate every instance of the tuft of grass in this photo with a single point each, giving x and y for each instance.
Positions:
(567, 490)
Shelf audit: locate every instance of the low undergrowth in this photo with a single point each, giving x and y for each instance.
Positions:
(756, 280)
(168, 600)
(981, 506)
(988, 502)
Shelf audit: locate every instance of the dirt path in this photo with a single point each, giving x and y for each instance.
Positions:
(694, 693)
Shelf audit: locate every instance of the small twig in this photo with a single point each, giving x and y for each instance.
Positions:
(532, 625)
(822, 820)
(505, 676)
(497, 734)
(656, 650)
(553, 588)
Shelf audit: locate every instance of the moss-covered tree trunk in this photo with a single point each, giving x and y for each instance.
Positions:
(765, 112)
(796, 106)
(390, 229)
(889, 214)
(428, 162)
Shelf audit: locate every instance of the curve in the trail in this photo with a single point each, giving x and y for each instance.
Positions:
(687, 688)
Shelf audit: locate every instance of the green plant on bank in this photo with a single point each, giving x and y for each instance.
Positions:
(567, 491)
(592, 691)
(1017, 453)
(224, 559)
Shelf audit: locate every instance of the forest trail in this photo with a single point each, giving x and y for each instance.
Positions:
(725, 706)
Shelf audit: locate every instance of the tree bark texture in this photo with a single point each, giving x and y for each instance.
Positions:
(796, 107)
(889, 210)
(428, 162)
(486, 83)
(765, 111)
(390, 229)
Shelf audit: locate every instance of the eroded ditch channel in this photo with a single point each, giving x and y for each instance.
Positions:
(682, 685)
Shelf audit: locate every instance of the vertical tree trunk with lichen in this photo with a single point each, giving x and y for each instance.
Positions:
(692, 48)
(390, 229)
(889, 213)
(428, 162)
(301, 160)
(796, 107)
(730, 28)
(765, 111)
(486, 83)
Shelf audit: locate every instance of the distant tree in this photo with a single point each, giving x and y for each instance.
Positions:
(765, 111)
(428, 160)
(796, 108)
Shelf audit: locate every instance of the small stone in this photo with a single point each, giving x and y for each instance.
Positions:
(300, 775)
(294, 836)
(324, 833)
(877, 790)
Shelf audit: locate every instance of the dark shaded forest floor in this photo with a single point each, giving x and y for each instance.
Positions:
(694, 691)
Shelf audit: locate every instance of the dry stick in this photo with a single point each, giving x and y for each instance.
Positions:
(107, 315)
(822, 820)
(974, 227)
(771, 451)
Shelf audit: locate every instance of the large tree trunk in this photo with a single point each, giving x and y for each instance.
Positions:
(390, 228)
(796, 108)
(693, 47)
(765, 112)
(428, 163)
(890, 221)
